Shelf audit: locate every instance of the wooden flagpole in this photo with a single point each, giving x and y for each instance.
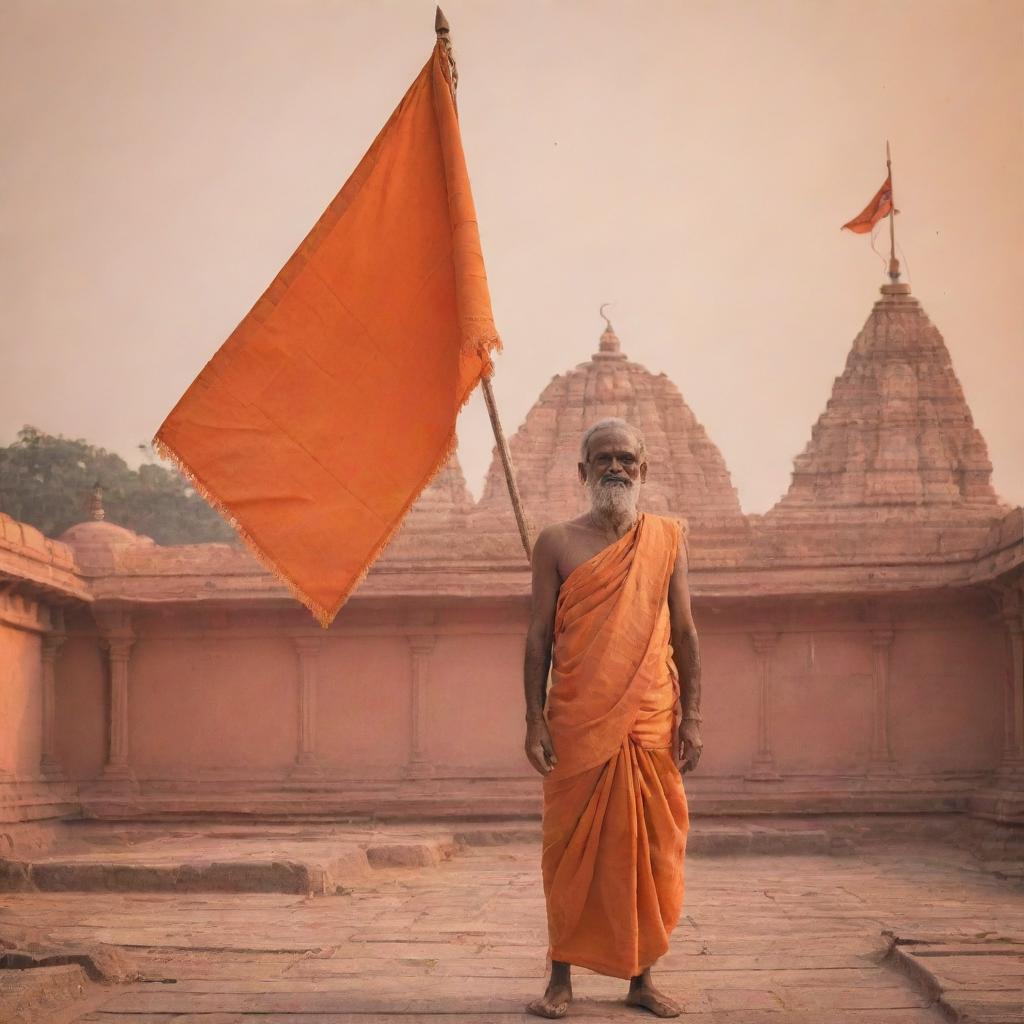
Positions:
(443, 31)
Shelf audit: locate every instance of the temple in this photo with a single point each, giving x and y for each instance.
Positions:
(863, 641)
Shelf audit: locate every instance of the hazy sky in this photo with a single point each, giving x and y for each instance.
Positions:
(689, 162)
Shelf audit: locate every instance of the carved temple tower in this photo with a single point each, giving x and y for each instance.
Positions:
(897, 430)
(687, 477)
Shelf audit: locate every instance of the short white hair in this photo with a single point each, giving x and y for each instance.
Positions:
(612, 422)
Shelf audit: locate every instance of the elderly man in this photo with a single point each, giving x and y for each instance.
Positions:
(611, 618)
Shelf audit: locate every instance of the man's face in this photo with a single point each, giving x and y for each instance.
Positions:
(613, 471)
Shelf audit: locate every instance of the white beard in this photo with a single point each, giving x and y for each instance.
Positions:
(614, 500)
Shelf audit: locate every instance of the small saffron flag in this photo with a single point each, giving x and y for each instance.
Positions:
(332, 405)
(878, 208)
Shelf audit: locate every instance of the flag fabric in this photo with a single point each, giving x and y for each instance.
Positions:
(333, 403)
(878, 208)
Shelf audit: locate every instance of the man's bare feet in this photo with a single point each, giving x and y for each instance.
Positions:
(642, 993)
(558, 995)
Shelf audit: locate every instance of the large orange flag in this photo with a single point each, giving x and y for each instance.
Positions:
(333, 403)
(878, 208)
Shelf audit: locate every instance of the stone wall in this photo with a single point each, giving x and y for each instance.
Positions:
(894, 703)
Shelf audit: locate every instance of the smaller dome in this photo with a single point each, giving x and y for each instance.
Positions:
(96, 542)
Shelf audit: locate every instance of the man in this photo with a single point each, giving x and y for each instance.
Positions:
(611, 618)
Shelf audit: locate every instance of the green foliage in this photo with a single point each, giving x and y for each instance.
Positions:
(48, 481)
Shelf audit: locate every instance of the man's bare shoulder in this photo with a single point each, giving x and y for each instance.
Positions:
(562, 546)
(554, 537)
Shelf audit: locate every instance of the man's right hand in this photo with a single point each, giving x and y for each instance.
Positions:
(539, 748)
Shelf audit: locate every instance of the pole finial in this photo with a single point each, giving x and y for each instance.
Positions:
(96, 511)
(444, 37)
(604, 316)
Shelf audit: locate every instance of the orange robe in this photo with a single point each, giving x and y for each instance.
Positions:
(615, 817)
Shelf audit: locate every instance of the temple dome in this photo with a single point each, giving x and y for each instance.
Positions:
(687, 476)
(897, 435)
(97, 543)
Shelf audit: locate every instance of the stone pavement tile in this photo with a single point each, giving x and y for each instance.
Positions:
(812, 978)
(757, 946)
(891, 996)
(990, 1007)
(777, 960)
(967, 973)
(103, 1017)
(481, 966)
(421, 950)
(744, 999)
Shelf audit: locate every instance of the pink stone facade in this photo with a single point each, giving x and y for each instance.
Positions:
(862, 641)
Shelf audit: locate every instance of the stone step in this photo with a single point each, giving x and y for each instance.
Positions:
(970, 979)
(312, 861)
(31, 993)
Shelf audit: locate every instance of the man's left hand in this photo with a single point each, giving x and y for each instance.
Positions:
(690, 746)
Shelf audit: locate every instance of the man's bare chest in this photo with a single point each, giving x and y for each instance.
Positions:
(578, 548)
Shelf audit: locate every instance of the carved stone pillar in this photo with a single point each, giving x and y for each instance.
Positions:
(880, 761)
(49, 763)
(420, 648)
(307, 765)
(762, 768)
(119, 646)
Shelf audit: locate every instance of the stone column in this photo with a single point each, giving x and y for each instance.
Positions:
(119, 647)
(1012, 763)
(762, 768)
(880, 761)
(307, 765)
(420, 648)
(49, 764)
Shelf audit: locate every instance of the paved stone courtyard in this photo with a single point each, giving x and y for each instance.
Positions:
(908, 935)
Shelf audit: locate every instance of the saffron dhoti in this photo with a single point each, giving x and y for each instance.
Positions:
(615, 817)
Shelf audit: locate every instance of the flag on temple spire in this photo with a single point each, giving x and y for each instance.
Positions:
(332, 405)
(879, 207)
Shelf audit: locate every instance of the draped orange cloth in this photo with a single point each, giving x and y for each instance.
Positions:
(615, 817)
(333, 403)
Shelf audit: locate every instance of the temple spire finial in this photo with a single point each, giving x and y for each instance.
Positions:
(609, 339)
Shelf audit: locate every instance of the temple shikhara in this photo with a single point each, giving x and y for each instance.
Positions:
(862, 640)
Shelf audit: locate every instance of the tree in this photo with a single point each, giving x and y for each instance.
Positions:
(48, 481)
